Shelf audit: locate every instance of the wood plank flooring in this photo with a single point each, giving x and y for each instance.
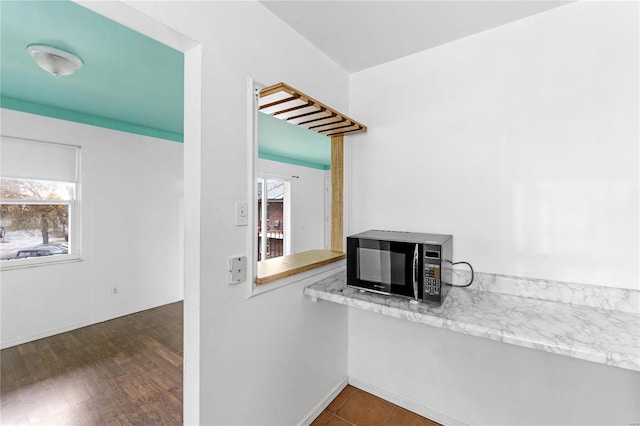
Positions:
(355, 407)
(127, 371)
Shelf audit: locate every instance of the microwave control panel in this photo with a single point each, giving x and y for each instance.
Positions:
(434, 288)
(431, 280)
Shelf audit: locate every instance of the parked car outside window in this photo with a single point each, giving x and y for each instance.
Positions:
(43, 250)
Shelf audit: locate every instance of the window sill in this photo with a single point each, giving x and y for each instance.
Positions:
(7, 265)
(285, 266)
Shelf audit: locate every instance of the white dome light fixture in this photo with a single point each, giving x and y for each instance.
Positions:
(54, 61)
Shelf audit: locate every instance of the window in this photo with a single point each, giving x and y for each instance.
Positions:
(38, 203)
(273, 218)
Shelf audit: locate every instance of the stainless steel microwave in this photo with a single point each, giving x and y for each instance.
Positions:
(406, 264)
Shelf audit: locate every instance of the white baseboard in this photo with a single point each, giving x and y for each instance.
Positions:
(405, 403)
(315, 412)
(85, 323)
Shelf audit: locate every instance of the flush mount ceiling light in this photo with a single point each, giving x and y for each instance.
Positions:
(54, 61)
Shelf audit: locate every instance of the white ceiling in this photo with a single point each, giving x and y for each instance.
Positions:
(362, 34)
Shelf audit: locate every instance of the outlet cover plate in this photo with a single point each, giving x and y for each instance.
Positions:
(237, 269)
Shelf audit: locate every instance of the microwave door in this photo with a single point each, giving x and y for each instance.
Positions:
(383, 266)
(374, 268)
(403, 273)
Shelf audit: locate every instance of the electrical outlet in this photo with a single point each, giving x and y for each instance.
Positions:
(114, 291)
(242, 213)
(237, 269)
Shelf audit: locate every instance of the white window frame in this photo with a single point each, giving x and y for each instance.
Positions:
(286, 212)
(74, 227)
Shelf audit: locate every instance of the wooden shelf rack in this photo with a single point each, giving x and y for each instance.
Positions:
(286, 103)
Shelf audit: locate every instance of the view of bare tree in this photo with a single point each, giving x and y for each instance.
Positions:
(48, 217)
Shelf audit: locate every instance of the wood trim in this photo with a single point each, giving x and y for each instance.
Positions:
(330, 126)
(322, 120)
(285, 266)
(279, 102)
(295, 108)
(343, 133)
(334, 127)
(290, 93)
(302, 117)
(337, 192)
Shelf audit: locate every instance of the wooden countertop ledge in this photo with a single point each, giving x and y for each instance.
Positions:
(285, 266)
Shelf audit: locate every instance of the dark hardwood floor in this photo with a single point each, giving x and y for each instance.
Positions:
(127, 371)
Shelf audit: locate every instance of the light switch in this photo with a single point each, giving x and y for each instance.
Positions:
(237, 269)
(242, 213)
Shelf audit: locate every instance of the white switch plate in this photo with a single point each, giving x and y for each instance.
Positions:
(242, 213)
(237, 269)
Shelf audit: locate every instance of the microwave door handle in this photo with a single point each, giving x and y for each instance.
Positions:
(415, 275)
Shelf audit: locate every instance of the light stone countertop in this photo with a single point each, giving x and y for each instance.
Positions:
(605, 336)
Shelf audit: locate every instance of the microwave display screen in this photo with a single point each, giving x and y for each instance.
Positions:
(432, 254)
(382, 266)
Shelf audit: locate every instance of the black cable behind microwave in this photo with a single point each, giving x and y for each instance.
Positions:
(470, 267)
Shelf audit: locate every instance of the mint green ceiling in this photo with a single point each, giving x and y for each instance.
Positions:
(288, 143)
(128, 82)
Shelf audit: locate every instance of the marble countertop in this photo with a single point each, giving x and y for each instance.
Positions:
(605, 336)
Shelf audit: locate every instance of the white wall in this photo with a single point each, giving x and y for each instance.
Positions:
(447, 375)
(522, 142)
(131, 191)
(272, 358)
(307, 203)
